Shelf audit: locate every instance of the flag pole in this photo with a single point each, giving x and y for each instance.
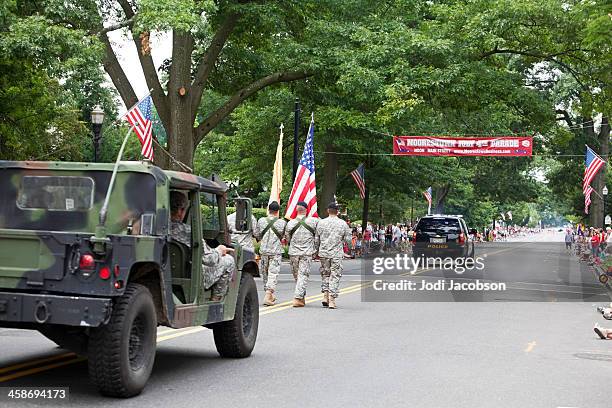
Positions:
(104, 208)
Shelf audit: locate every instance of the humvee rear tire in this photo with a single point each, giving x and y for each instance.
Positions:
(236, 338)
(121, 353)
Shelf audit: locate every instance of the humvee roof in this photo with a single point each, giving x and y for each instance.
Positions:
(177, 179)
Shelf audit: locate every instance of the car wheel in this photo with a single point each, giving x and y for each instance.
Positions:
(236, 338)
(122, 352)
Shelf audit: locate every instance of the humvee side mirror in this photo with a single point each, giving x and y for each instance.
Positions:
(244, 209)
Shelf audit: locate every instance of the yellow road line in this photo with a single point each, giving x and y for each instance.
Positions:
(182, 333)
(40, 369)
(35, 362)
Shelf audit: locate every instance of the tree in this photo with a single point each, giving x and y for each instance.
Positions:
(50, 81)
(249, 41)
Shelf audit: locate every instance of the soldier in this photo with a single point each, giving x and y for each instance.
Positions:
(330, 235)
(270, 232)
(217, 265)
(245, 239)
(300, 235)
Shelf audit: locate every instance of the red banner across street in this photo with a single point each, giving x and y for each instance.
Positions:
(462, 146)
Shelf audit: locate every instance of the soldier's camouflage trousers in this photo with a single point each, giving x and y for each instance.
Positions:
(300, 267)
(218, 276)
(331, 272)
(270, 268)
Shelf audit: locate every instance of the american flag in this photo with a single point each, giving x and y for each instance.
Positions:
(587, 199)
(359, 176)
(593, 164)
(427, 194)
(139, 118)
(304, 186)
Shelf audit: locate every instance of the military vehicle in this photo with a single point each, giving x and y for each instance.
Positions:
(86, 258)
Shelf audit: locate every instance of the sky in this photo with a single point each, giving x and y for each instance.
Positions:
(161, 48)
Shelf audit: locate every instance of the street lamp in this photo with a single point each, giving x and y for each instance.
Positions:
(604, 191)
(97, 117)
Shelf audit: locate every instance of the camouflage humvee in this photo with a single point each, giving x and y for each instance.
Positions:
(86, 258)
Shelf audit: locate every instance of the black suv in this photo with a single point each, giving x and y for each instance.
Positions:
(443, 236)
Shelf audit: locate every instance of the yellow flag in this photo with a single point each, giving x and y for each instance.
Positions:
(277, 175)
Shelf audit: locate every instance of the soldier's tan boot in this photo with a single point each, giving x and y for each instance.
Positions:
(297, 302)
(269, 298)
(332, 302)
(325, 301)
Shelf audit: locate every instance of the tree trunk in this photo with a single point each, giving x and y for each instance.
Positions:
(180, 135)
(598, 215)
(441, 194)
(330, 174)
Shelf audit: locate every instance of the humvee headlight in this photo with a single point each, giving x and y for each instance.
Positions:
(87, 262)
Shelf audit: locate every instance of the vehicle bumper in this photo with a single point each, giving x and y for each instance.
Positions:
(53, 309)
(438, 251)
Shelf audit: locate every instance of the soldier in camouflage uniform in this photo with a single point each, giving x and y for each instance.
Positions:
(245, 239)
(217, 264)
(300, 234)
(270, 232)
(330, 235)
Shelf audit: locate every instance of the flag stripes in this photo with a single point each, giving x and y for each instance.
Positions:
(593, 163)
(358, 177)
(587, 199)
(304, 186)
(139, 117)
(428, 197)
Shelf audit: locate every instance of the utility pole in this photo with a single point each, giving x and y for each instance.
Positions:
(296, 131)
(366, 209)
(412, 208)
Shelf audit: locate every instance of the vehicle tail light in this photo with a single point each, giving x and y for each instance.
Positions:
(414, 238)
(105, 272)
(87, 261)
(461, 238)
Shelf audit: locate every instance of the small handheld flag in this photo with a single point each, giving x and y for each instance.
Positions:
(359, 176)
(304, 186)
(427, 194)
(139, 118)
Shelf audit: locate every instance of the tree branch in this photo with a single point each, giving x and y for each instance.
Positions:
(217, 116)
(117, 75)
(123, 24)
(544, 57)
(566, 117)
(208, 60)
(148, 68)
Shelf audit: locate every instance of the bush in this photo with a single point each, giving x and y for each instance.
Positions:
(257, 212)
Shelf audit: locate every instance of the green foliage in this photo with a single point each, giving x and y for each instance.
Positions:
(402, 67)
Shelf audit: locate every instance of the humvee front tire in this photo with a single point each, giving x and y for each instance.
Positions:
(121, 353)
(236, 338)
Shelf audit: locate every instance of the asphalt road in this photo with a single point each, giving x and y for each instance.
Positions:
(505, 351)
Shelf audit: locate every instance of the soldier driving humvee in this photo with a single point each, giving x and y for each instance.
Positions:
(217, 264)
